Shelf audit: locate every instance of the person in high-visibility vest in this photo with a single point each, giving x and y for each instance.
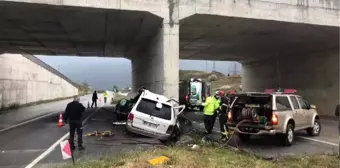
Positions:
(105, 96)
(210, 106)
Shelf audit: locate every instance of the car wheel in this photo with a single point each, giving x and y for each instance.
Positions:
(244, 137)
(288, 137)
(114, 117)
(316, 129)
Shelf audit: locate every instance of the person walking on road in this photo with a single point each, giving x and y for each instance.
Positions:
(94, 99)
(73, 115)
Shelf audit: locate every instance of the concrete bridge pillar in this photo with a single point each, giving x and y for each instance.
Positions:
(314, 75)
(157, 67)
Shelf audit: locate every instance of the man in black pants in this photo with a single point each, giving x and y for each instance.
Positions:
(94, 99)
(222, 116)
(73, 116)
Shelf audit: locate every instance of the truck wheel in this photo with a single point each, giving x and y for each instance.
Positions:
(288, 137)
(243, 137)
(316, 129)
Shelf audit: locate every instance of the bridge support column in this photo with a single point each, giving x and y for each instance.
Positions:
(314, 75)
(157, 68)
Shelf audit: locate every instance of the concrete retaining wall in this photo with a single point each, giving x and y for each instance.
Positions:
(25, 79)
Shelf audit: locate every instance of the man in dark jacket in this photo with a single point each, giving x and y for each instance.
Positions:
(222, 116)
(73, 116)
(94, 99)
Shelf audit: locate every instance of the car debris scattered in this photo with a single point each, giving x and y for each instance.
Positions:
(100, 134)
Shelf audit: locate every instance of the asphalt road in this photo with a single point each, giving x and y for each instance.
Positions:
(268, 146)
(101, 146)
(19, 146)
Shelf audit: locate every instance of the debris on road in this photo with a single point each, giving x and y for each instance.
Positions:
(158, 160)
(101, 134)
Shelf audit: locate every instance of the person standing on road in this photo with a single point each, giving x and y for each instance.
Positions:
(222, 116)
(217, 105)
(209, 111)
(105, 96)
(73, 116)
(94, 99)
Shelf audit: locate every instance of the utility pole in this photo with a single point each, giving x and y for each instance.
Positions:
(234, 69)
(206, 66)
(214, 66)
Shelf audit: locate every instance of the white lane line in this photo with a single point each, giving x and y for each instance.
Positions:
(48, 151)
(51, 148)
(316, 140)
(26, 122)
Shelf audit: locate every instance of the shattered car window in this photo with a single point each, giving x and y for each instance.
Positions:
(149, 107)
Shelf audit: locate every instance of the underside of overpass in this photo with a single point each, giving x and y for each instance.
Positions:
(292, 54)
(273, 54)
(148, 40)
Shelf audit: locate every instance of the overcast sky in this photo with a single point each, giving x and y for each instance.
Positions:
(103, 73)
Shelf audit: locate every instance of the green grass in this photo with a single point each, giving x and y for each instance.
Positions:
(117, 98)
(207, 156)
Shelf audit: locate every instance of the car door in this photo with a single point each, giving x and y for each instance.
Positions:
(306, 111)
(300, 119)
(285, 109)
(150, 118)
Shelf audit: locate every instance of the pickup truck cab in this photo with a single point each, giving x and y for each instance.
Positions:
(154, 116)
(272, 113)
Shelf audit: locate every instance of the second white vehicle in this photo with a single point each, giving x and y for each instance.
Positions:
(154, 116)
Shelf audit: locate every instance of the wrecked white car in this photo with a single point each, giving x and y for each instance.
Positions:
(155, 116)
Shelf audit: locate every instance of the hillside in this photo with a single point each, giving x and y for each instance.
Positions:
(218, 80)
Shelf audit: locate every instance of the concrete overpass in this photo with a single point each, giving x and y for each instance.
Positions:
(291, 43)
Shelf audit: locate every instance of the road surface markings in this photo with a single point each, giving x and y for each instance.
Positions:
(22, 151)
(51, 148)
(26, 122)
(316, 140)
(48, 151)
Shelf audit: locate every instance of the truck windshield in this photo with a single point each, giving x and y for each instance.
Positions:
(149, 107)
(195, 90)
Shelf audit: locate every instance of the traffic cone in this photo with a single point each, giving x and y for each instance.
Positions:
(60, 122)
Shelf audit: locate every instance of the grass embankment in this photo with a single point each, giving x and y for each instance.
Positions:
(207, 156)
(218, 80)
(117, 98)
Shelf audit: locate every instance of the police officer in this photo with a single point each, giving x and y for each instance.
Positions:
(222, 115)
(105, 96)
(73, 116)
(209, 111)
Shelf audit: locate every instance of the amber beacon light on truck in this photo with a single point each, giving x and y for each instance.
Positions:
(279, 90)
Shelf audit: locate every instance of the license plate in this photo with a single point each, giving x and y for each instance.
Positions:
(150, 124)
